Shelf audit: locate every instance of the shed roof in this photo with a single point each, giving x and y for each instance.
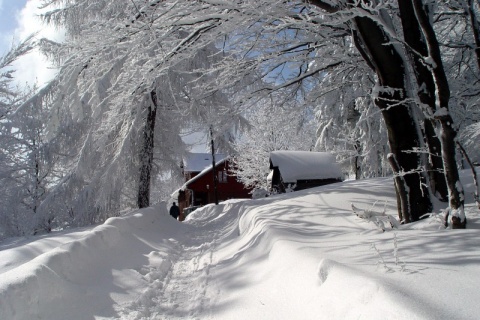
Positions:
(197, 162)
(305, 165)
(203, 172)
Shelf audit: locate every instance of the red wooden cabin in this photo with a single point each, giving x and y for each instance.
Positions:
(198, 189)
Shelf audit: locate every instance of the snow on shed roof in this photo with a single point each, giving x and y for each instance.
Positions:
(198, 176)
(197, 162)
(305, 165)
(204, 172)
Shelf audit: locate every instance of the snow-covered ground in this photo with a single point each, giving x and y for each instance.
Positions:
(302, 255)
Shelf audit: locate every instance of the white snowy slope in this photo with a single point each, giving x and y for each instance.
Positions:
(302, 255)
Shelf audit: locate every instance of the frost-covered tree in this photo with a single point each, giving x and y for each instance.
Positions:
(349, 124)
(399, 43)
(35, 157)
(456, 23)
(129, 94)
(355, 133)
(379, 37)
(26, 159)
(10, 97)
(271, 128)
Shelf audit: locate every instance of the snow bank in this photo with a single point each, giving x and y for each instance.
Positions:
(82, 273)
(309, 257)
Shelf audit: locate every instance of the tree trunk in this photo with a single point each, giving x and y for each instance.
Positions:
(417, 50)
(443, 117)
(214, 172)
(356, 163)
(146, 153)
(401, 126)
(379, 52)
(437, 181)
(401, 190)
(475, 29)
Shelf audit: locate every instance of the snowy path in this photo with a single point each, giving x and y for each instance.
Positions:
(177, 281)
(143, 266)
(185, 291)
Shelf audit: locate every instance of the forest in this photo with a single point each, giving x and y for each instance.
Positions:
(391, 88)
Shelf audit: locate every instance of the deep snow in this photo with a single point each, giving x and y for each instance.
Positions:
(302, 255)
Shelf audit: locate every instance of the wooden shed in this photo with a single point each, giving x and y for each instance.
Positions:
(298, 170)
(198, 189)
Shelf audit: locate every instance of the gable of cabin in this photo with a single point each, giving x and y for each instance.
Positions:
(194, 163)
(199, 190)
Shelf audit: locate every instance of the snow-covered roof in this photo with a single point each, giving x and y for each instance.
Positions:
(305, 165)
(197, 162)
(203, 172)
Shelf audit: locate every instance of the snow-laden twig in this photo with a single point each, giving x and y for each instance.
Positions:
(398, 262)
(382, 261)
(290, 187)
(379, 218)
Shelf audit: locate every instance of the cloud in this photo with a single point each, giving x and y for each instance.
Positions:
(34, 67)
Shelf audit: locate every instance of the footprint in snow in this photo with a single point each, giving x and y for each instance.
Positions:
(324, 269)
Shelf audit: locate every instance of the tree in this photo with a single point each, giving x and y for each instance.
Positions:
(26, 157)
(134, 89)
(271, 128)
(376, 34)
(441, 114)
(10, 97)
(460, 55)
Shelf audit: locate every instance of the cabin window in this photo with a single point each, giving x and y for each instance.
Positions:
(222, 176)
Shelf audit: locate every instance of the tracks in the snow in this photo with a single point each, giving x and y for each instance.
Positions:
(177, 287)
(185, 292)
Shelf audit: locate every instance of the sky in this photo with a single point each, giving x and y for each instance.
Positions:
(18, 20)
(301, 255)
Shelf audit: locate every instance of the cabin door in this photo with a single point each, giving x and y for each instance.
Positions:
(201, 198)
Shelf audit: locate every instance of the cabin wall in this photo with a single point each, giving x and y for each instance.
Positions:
(203, 188)
(280, 186)
(227, 188)
(307, 184)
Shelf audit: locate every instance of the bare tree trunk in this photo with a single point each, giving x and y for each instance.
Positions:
(401, 126)
(443, 117)
(437, 181)
(146, 154)
(401, 189)
(356, 163)
(214, 172)
(417, 50)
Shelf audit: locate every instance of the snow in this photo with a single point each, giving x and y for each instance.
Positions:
(305, 165)
(441, 112)
(302, 255)
(197, 162)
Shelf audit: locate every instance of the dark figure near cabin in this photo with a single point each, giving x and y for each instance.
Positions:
(174, 211)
